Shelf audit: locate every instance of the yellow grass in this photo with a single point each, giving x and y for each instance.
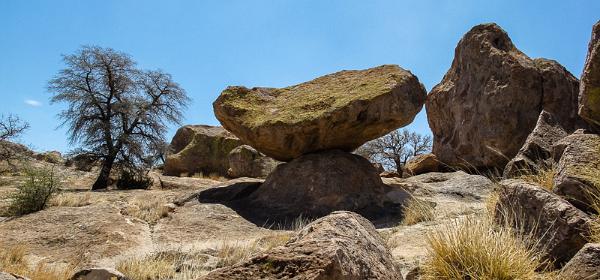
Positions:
(148, 207)
(475, 248)
(544, 178)
(416, 211)
(13, 260)
(69, 199)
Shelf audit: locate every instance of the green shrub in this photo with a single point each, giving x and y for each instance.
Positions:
(133, 179)
(34, 193)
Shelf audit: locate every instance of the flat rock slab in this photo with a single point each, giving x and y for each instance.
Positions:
(342, 110)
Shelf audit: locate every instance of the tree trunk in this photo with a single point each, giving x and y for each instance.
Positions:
(104, 176)
(398, 166)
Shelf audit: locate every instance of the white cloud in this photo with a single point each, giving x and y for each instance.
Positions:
(33, 103)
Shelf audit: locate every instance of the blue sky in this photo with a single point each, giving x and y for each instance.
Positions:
(208, 45)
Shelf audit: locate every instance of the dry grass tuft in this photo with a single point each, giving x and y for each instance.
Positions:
(475, 248)
(544, 178)
(416, 211)
(164, 265)
(149, 208)
(594, 195)
(230, 253)
(69, 199)
(12, 260)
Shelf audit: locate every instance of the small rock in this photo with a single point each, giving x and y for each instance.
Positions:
(422, 164)
(585, 264)
(98, 274)
(245, 161)
(340, 246)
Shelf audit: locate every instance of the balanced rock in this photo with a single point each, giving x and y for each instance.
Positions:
(200, 149)
(577, 176)
(422, 164)
(589, 100)
(245, 161)
(559, 228)
(585, 264)
(317, 184)
(490, 100)
(341, 246)
(342, 110)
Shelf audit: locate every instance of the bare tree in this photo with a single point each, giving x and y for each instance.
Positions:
(11, 128)
(115, 111)
(393, 150)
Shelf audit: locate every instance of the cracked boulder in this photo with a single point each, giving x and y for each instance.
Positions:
(589, 99)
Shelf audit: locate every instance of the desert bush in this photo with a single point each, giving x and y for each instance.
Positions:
(134, 179)
(164, 265)
(476, 248)
(34, 193)
(416, 211)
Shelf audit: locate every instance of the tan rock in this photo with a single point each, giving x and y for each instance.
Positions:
(490, 99)
(342, 110)
(341, 246)
(589, 99)
(578, 172)
(245, 161)
(422, 164)
(558, 227)
(200, 149)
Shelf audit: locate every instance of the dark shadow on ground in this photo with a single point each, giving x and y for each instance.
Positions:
(237, 196)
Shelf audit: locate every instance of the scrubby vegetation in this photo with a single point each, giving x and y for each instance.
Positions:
(13, 260)
(416, 211)
(35, 192)
(543, 178)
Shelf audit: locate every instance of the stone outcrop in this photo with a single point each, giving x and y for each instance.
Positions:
(422, 164)
(50, 157)
(577, 176)
(341, 246)
(245, 161)
(589, 99)
(200, 149)
(559, 228)
(491, 99)
(585, 264)
(342, 110)
(316, 184)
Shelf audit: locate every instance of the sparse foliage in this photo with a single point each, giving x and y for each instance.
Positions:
(11, 128)
(416, 211)
(396, 148)
(35, 193)
(116, 111)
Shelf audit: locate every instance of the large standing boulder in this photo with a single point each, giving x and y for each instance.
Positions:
(245, 161)
(585, 264)
(578, 172)
(342, 110)
(341, 246)
(558, 228)
(317, 184)
(490, 100)
(200, 149)
(589, 99)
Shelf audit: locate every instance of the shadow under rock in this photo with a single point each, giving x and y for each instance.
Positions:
(237, 196)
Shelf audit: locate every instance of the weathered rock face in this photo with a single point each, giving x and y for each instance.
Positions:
(589, 100)
(560, 227)
(557, 119)
(9, 276)
(317, 184)
(490, 100)
(200, 148)
(585, 264)
(245, 161)
(50, 157)
(578, 169)
(342, 110)
(422, 164)
(341, 246)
